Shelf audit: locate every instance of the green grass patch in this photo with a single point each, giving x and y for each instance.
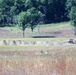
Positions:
(60, 47)
(24, 47)
(37, 39)
(50, 27)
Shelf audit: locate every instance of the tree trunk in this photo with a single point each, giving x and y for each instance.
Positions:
(38, 28)
(4, 21)
(75, 30)
(32, 28)
(23, 34)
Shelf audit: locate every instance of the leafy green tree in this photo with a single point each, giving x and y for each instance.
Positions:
(19, 6)
(4, 10)
(30, 18)
(23, 21)
(54, 10)
(35, 18)
(9, 9)
(71, 7)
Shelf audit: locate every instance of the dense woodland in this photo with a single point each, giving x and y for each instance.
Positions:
(33, 12)
(54, 10)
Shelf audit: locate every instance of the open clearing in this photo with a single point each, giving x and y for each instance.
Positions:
(58, 58)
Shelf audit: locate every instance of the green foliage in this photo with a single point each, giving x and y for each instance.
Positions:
(54, 10)
(71, 7)
(72, 15)
(23, 21)
(29, 18)
(35, 17)
(4, 10)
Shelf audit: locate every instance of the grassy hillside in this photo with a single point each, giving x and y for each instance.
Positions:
(53, 30)
(59, 32)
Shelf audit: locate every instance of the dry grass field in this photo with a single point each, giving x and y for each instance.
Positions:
(38, 63)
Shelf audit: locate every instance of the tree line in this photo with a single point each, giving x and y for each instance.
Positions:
(54, 10)
(29, 13)
(71, 8)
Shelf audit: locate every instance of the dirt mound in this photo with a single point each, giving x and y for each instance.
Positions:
(32, 43)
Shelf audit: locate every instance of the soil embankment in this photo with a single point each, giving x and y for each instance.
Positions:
(32, 43)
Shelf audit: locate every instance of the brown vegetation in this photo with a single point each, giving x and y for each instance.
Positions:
(38, 66)
(59, 63)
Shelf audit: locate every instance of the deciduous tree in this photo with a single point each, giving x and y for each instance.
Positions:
(71, 7)
(30, 18)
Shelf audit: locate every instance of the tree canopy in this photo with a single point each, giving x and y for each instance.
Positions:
(54, 10)
(71, 7)
(30, 18)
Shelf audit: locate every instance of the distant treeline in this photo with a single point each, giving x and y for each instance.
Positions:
(54, 10)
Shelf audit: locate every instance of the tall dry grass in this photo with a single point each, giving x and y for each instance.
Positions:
(39, 65)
